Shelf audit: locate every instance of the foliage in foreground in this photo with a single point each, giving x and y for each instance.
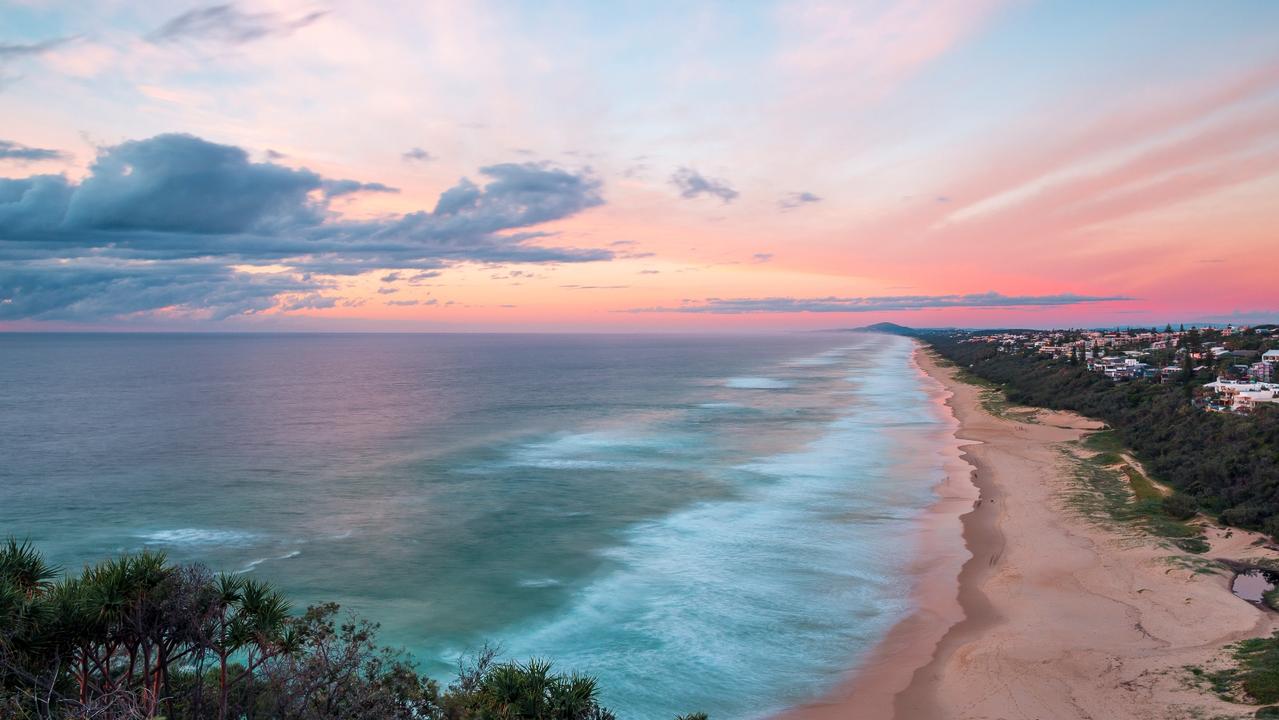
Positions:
(139, 637)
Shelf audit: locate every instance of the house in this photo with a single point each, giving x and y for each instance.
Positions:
(1249, 400)
(1241, 395)
(1264, 372)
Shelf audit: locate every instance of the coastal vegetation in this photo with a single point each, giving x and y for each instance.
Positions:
(1110, 488)
(137, 636)
(1221, 463)
(1251, 676)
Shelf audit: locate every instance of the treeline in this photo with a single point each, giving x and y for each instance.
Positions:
(1228, 463)
(140, 637)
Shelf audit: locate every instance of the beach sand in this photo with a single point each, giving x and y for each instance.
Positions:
(1054, 615)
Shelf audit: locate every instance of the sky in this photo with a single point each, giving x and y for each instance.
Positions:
(645, 166)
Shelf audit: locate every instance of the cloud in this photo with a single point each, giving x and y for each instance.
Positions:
(228, 24)
(797, 199)
(182, 184)
(13, 51)
(81, 288)
(417, 154)
(15, 151)
(154, 212)
(693, 184)
(337, 188)
(761, 257)
(740, 306)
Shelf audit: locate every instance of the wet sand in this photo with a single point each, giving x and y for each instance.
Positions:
(1054, 616)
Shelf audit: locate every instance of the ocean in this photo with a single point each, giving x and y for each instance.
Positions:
(705, 523)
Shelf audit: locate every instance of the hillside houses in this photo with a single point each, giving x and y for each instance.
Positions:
(1240, 396)
(1245, 360)
(1122, 367)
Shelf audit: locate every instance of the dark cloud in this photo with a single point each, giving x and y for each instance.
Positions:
(797, 199)
(164, 203)
(336, 188)
(15, 151)
(182, 184)
(90, 289)
(738, 306)
(274, 155)
(228, 24)
(417, 154)
(761, 257)
(693, 184)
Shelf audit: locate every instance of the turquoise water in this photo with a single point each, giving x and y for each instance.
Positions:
(716, 524)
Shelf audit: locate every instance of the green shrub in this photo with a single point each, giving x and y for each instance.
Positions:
(1256, 671)
(1196, 545)
(1180, 507)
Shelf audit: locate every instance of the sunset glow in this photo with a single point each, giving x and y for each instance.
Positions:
(589, 166)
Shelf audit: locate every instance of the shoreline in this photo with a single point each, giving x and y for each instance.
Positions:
(1050, 615)
(888, 669)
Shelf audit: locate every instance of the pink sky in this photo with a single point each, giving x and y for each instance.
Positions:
(762, 166)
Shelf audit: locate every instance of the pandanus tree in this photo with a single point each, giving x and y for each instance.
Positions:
(26, 623)
(117, 631)
(530, 691)
(260, 629)
(227, 589)
(251, 622)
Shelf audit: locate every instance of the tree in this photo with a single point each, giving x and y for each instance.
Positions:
(134, 633)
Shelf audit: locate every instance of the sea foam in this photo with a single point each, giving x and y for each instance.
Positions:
(197, 536)
(777, 589)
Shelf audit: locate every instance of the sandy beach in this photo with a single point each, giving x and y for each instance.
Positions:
(1055, 615)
